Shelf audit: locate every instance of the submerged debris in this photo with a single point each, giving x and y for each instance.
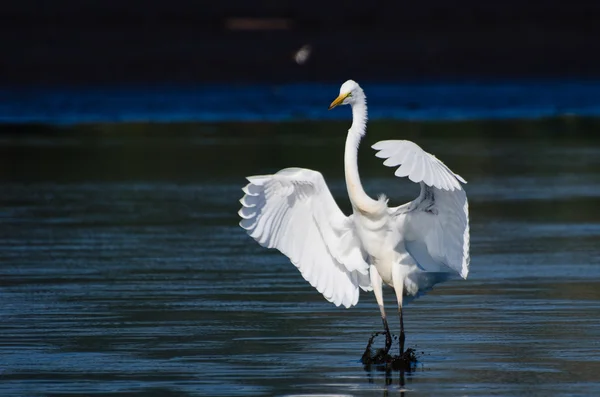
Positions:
(404, 362)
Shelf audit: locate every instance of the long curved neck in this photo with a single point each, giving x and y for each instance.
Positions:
(360, 200)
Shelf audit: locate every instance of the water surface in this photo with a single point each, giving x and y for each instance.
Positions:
(124, 271)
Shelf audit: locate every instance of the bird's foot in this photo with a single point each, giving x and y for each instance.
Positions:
(381, 354)
(405, 362)
(381, 358)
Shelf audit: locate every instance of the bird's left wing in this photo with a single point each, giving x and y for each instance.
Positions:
(436, 224)
(294, 211)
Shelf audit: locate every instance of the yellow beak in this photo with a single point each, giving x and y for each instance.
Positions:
(338, 100)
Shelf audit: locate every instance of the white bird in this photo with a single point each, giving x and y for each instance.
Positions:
(410, 247)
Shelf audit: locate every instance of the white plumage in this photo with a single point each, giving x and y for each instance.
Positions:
(294, 212)
(410, 247)
(442, 239)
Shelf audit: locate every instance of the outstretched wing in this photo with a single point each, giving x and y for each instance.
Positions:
(294, 211)
(436, 224)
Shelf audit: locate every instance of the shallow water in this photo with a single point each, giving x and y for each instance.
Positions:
(124, 271)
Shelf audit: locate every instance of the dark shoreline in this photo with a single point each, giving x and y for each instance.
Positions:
(552, 127)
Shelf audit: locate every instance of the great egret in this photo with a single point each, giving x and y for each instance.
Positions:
(410, 247)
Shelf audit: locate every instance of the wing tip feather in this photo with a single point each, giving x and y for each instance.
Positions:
(464, 272)
(244, 215)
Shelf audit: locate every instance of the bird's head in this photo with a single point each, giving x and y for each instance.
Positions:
(350, 91)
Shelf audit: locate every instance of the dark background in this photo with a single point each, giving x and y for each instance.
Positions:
(74, 41)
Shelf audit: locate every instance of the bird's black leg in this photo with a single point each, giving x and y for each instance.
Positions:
(381, 355)
(388, 335)
(402, 336)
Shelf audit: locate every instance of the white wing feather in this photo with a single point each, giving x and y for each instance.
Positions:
(436, 224)
(294, 211)
(417, 164)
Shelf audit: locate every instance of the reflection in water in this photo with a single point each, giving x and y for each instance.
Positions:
(124, 271)
(391, 377)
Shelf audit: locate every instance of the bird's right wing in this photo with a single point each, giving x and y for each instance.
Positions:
(294, 211)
